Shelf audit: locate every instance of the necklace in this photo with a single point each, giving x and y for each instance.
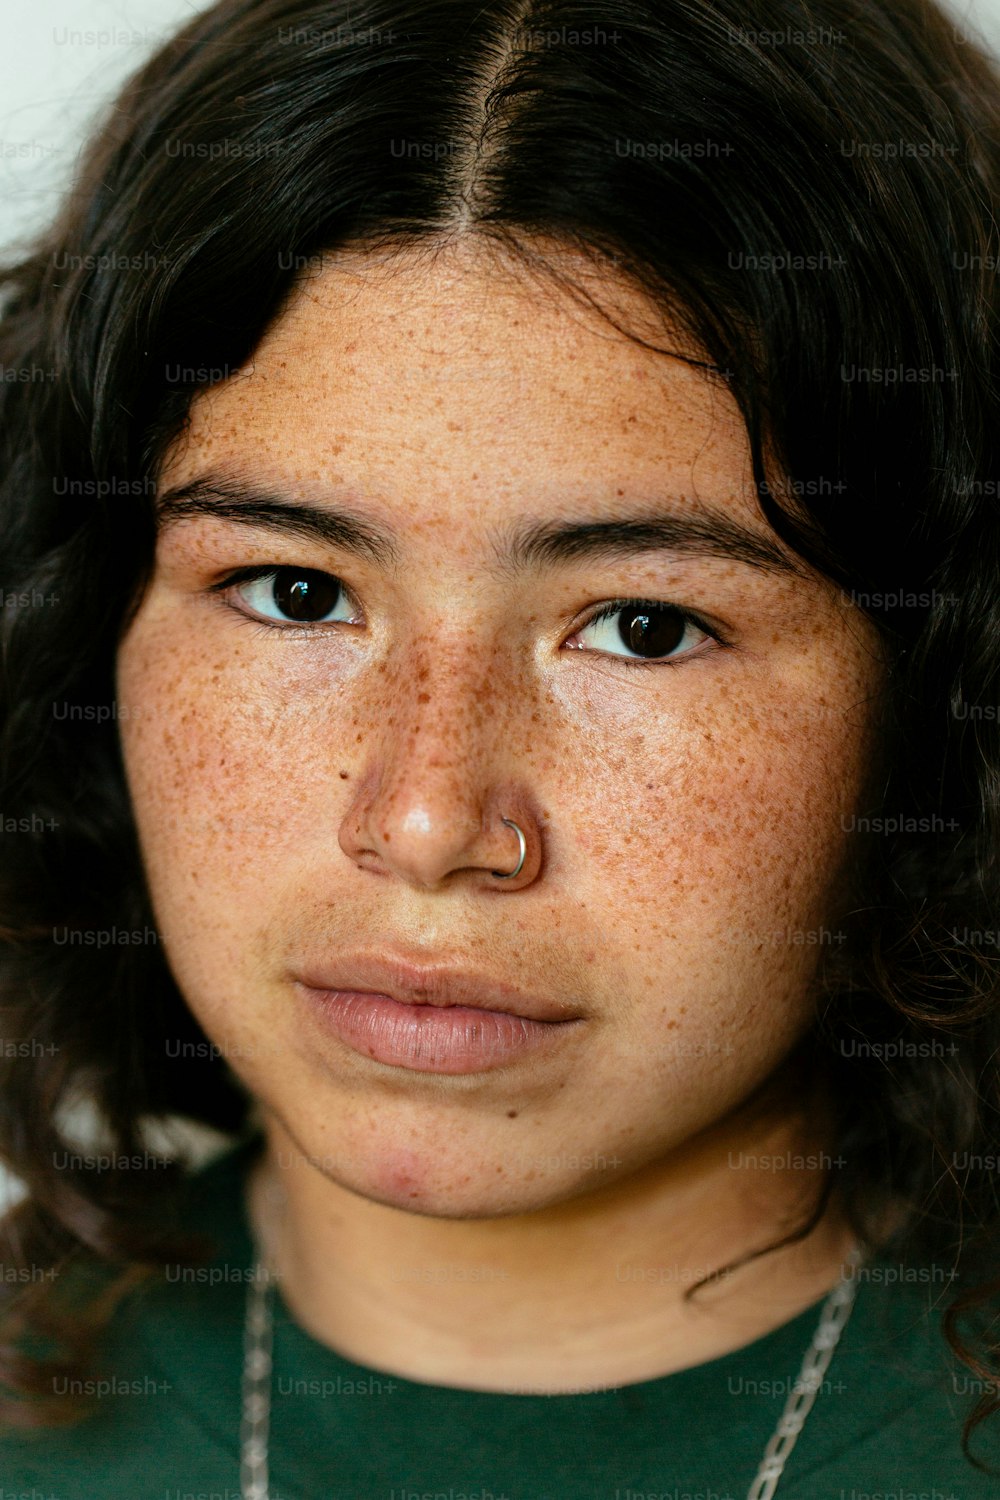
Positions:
(258, 1334)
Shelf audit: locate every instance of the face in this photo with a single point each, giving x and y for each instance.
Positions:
(319, 761)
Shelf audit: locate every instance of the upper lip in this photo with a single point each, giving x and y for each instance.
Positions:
(430, 984)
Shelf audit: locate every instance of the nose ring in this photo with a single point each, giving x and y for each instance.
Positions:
(522, 841)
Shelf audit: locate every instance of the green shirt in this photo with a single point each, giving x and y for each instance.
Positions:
(885, 1424)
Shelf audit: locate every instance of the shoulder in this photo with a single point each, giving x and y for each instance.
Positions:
(893, 1402)
(174, 1331)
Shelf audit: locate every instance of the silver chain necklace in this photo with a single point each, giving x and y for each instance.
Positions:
(258, 1338)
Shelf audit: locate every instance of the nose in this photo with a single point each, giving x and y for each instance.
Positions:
(440, 774)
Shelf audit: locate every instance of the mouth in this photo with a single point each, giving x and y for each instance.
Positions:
(431, 1020)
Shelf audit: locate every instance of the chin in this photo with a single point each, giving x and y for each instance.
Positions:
(440, 1184)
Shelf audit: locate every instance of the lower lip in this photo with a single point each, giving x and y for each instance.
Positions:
(430, 1038)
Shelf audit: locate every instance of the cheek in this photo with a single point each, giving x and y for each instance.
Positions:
(208, 803)
(219, 774)
(214, 760)
(712, 809)
(721, 855)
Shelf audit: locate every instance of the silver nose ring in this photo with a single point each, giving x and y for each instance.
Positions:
(522, 841)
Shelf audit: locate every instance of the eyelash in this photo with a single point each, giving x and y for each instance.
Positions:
(263, 570)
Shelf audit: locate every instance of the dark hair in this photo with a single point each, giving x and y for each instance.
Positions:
(810, 187)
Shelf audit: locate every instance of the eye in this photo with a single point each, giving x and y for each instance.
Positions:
(290, 595)
(651, 631)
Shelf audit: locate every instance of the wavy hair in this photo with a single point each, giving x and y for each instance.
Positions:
(811, 186)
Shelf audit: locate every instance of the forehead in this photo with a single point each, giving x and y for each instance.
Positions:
(396, 373)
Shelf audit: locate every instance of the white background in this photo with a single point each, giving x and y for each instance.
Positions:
(53, 85)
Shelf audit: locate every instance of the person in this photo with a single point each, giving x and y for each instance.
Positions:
(499, 667)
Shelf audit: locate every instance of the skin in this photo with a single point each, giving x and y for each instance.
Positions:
(532, 1227)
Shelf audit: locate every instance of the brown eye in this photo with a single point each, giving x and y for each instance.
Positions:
(651, 632)
(305, 596)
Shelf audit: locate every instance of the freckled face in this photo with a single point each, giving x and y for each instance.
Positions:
(338, 785)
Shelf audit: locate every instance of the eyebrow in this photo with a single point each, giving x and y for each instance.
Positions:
(517, 547)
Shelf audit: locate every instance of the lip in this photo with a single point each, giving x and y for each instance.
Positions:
(439, 985)
(430, 1038)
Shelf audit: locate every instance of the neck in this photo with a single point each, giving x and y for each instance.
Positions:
(583, 1293)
